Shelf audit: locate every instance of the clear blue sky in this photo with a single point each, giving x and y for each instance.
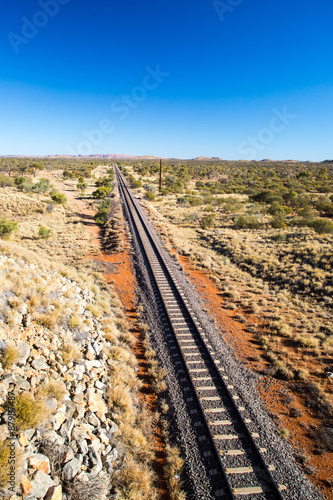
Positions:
(176, 78)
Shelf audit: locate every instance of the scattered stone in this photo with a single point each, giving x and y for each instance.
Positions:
(54, 493)
(66, 428)
(96, 404)
(21, 383)
(99, 385)
(41, 484)
(40, 462)
(113, 455)
(27, 486)
(90, 353)
(71, 469)
(103, 437)
(92, 419)
(23, 440)
(58, 419)
(83, 446)
(95, 458)
(92, 364)
(69, 456)
(39, 363)
(23, 351)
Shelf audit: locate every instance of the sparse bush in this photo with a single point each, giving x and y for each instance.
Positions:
(195, 201)
(44, 232)
(101, 192)
(173, 468)
(6, 181)
(94, 489)
(150, 196)
(246, 222)
(42, 186)
(322, 226)
(59, 198)
(7, 227)
(207, 221)
(279, 220)
(135, 482)
(284, 433)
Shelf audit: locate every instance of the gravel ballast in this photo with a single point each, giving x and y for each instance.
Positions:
(279, 452)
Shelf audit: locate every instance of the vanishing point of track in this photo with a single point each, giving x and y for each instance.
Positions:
(235, 464)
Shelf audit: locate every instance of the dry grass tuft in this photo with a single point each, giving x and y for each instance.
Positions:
(70, 353)
(94, 489)
(52, 389)
(9, 356)
(173, 469)
(30, 411)
(135, 482)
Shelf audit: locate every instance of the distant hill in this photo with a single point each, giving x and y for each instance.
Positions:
(207, 158)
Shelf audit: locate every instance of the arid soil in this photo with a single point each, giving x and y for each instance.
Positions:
(277, 395)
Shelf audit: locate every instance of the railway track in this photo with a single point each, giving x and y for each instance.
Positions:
(235, 464)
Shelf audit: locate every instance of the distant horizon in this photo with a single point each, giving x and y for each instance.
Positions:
(115, 156)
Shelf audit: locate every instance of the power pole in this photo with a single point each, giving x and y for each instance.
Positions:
(160, 187)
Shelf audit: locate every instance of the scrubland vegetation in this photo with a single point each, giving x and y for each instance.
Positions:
(264, 232)
(42, 270)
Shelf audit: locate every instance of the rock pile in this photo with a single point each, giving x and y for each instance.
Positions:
(54, 388)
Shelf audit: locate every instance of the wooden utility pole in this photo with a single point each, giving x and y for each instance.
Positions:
(160, 187)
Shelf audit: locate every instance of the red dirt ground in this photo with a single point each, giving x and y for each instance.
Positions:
(275, 394)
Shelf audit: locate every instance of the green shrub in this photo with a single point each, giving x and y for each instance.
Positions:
(207, 221)
(59, 198)
(103, 181)
(275, 208)
(322, 226)
(182, 200)
(195, 201)
(103, 212)
(81, 186)
(7, 227)
(246, 222)
(150, 196)
(279, 221)
(42, 186)
(101, 192)
(44, 232)
(6, 181)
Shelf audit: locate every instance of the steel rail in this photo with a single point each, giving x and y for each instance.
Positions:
(271, 482)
